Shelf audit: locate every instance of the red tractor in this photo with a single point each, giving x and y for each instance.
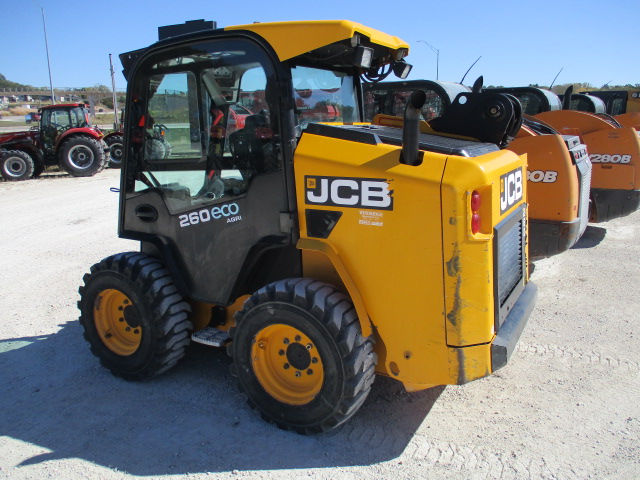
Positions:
(64, 137)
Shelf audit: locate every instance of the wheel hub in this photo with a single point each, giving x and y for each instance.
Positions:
(80, 156)
(287, 364)
(16, 167)
(117, 321)
(298, 356)
(131, 316)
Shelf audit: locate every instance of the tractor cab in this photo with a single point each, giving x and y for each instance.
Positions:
(57, 119)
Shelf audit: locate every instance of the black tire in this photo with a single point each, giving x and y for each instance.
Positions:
(116, 150)
(39, 169)
(300, 357)
(133, 317)
(16, 165)
(154, 149)
(81, 156)
(167, 149)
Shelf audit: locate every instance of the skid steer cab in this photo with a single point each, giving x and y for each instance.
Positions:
(558, 172)
(623, 105)
(318, 250)
(614, 150)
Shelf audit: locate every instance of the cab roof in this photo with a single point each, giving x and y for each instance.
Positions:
(290, 39)
(62, 105)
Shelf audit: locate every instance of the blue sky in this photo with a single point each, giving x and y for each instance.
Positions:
(520, 42)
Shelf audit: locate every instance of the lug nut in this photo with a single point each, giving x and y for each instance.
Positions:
(314, 360)
(297, 374)
(309, 346)
(286, 366)
(128, 329)
(298, 338)
(121, 319)
(286, 341)
(136, 331)
(309, 372)
(281, 352)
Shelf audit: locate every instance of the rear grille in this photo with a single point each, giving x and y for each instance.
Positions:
(585, 188)
(581, 160)
(580, 157)
(509, 263)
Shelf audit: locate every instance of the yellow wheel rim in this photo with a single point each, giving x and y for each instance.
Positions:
(117, 322)
(287, 364)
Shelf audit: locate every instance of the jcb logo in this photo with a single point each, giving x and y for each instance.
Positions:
(510, 189)
(372, 193)
(603, 158)
(542, 176)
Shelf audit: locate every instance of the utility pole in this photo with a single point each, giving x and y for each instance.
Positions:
(46, 46)
(115, 97)
(437, 52)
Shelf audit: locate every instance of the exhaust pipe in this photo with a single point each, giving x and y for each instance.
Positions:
(411, 129)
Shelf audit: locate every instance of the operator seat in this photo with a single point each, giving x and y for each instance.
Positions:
(252, 147)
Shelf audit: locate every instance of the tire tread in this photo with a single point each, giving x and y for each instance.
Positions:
(335, 312)
(170, 311)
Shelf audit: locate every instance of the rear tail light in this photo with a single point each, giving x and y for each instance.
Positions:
(475, 201)
(475, 223)
(475, 214)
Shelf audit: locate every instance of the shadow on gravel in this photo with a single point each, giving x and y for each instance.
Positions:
(192, 419)
(591, 237)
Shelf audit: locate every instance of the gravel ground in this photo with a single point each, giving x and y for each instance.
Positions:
(566, 406)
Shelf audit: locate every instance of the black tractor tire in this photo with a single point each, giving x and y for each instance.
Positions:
(300, 356)
(167, 149)
(16, 165)
(81, 156)
(133, 316)
(154, 149)
(38, 169)
(116, 150)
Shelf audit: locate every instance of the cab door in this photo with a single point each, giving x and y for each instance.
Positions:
(52, 123)
(198, 190)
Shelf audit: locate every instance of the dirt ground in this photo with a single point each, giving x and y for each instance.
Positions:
(565, 407)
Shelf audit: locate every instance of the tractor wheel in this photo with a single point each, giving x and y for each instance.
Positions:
(16, 165)
(154, 149)
(116, 150)
(299, 355)
(133, 316)
(38, 169)
(167, 149)
(81, 156)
